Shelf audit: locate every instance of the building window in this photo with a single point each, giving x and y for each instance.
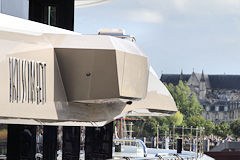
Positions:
(207, 116)
(217, 116)
(217, 108)
(50, 16)
(225, 108)
(221, 108)
(225, 117)
(232, 115)
(207, 108)
(212, 108)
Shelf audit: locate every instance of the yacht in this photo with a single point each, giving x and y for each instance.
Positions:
(52, 76)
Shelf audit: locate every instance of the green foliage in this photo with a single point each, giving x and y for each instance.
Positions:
(209, 127)
(148, 128)
(199, 121)
(186, 102)
(190, 107)
(195, 121)
(175, 119)
(222, 129)
(163, 125)
(194, 107)
(235, 127)
(138, 126)
(189, 114)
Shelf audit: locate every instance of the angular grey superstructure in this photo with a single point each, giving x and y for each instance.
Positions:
(66, 78)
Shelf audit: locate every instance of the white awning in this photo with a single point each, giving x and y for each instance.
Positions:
(85, 3)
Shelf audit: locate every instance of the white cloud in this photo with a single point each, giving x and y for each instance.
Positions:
(145, 16)
(202, 7)
(180, 4)
(216, 7)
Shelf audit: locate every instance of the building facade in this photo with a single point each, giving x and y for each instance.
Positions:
(219, 94)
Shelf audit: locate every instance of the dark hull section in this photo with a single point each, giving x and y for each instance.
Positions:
(21, 143)
(98, 142)
(224, 155)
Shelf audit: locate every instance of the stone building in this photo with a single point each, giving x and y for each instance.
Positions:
(219, 94)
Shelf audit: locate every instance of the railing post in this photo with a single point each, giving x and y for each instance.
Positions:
(203, 136)
(157, 136)
(200, 143)
(169, 137)
(196, 141)
(173, 135)
(191, 139)
(165, 137)
(183, 138)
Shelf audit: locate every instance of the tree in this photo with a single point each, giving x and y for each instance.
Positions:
(209, 127)
(235, 127)
(150, 127)
(163, 124)
(181, 94)
(189, 113)
(195, 121)
(175, 119)
(194, 108)
(186, 102)
(222, 129)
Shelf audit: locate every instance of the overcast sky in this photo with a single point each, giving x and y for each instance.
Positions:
(175, 34)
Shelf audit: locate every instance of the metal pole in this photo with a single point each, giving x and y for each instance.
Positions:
(125, 127)
(203, 138)
(183, 138)
(200, 140)
(191, 139)
(196, 141)
(130, 134)
(121, 129)
(169, 137)
(157, 136)
(173, 136)
(202, 150)
(165, 137)
(49, 15)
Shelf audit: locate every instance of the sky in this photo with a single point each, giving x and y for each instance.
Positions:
(175, 34)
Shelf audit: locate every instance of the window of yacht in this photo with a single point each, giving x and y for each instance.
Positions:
(50, 16)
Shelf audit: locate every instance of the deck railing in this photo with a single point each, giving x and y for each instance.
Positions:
(192, 139)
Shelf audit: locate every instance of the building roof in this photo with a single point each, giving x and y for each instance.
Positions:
(174, 78)
(215, 81)
(224, 81)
